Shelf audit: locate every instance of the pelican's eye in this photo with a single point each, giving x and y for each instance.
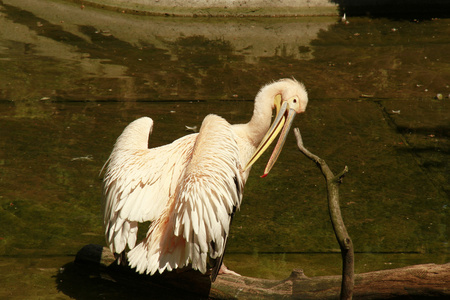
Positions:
(295, 100)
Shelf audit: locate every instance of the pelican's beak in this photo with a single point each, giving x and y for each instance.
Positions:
(282, 122)
(289, 119)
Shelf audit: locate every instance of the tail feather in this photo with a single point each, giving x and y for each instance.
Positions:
(156, 254)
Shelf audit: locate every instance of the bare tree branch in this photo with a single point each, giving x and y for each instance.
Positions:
(342, 236)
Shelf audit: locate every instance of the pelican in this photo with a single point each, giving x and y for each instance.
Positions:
(191, 188)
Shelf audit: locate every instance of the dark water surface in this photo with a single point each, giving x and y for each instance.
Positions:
(71, 79)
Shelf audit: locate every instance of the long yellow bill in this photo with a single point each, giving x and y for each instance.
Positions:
(277, 150)
(281, 122)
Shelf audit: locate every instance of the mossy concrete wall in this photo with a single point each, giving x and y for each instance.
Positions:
(219, 8)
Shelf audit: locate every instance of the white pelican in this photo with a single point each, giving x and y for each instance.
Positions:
(190, 189)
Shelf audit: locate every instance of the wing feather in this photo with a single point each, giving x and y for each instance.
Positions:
(195, 223)
(139, 181)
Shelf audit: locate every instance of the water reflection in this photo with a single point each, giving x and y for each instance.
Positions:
(71, 80)
(76, 54)
(130, 57)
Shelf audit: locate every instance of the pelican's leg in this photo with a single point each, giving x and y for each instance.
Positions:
(225, 270)
(121, 259)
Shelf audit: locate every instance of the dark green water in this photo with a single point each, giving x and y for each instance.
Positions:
(71, 80)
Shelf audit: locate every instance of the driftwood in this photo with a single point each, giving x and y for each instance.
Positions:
(414, 282)
(342, 236)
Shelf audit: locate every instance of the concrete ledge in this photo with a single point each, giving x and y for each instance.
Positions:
(219, 8)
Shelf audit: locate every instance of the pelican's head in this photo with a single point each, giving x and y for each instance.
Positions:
(290, 98)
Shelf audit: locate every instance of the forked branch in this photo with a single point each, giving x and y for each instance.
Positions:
(345, 243)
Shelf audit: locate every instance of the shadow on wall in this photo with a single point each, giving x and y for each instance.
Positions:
(395, 8)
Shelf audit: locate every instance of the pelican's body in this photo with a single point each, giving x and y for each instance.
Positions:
(188, 189)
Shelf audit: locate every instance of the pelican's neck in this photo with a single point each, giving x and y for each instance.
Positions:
(262, 113)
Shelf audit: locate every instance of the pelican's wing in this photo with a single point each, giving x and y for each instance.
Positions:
(196, 222)
(138, 181)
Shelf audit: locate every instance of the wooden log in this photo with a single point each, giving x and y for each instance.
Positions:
(428, 281)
